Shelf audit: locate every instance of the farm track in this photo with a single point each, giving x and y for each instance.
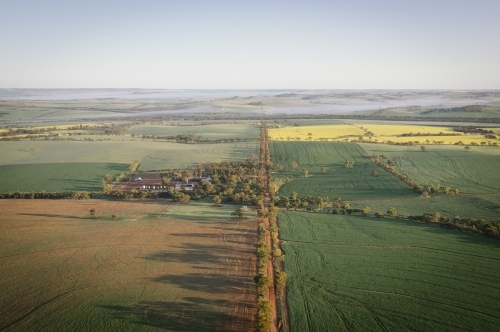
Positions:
(270, 269)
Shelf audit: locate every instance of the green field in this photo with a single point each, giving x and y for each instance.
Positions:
(478, 206)
(209, 132)
(56, 176)
(308, 122)
(151, 155)
(474, 171)
(353, 273)
(338, 181)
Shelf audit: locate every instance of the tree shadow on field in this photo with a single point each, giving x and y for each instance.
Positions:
(460, 235)
(48, 215)
(195, 253)
(211, 283)
(240, 237)
(222, 269)
(188, 314)
(201, 217)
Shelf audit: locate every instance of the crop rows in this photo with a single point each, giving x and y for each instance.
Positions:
(54, 177)
(357, 182)
(474, 171)
(364, 274)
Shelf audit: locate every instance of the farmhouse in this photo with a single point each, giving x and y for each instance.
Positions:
(154, 188)
(184, 186)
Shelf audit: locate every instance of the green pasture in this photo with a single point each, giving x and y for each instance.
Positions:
(474, 171)
(202, 211)
(308, 122)
(210, 132)
(67, 109)
(48, 113)
(338, 181)
(151, 155)
(56, 176)
(354, 273)
(493, 111)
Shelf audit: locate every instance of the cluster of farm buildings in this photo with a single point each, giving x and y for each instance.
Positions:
(152, 182)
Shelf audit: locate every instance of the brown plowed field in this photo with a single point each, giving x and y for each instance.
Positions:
(62, 270)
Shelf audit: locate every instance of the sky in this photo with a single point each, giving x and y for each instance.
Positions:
(352, 44)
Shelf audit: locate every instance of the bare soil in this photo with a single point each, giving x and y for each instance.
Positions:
(62, 270)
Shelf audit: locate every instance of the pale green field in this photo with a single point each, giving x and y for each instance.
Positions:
(48, 113)
(474, 171)
(479, 206)
(306, 122)
(210, 132)
(151, 155)
(202, 209)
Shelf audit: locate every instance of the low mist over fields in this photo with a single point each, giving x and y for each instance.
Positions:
(57, 104)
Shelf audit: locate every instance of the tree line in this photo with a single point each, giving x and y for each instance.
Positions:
(421, 190)
(192, 138)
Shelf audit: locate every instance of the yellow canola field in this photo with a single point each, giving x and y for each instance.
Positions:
(381, 133)
(302, 133)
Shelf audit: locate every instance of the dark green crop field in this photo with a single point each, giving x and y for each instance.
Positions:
(338, 181)
(56, 176)
(353, 273)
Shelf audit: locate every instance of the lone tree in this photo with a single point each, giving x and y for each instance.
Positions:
(467, 147)
(305, 172)
(374, 173)
(423, 148)
(115, 216)
(94, 213)
(294, 165)
(323, 169)
(237, 213)
(392, 211)
(366, 210)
